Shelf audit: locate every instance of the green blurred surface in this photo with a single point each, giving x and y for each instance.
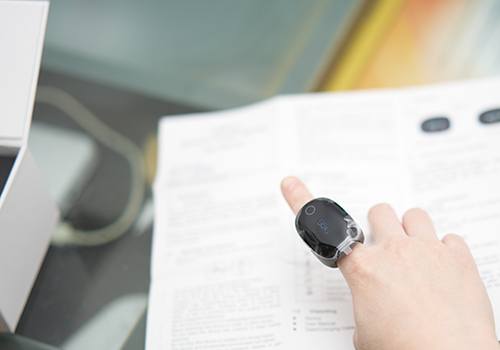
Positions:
(217, 53)
(15, 342)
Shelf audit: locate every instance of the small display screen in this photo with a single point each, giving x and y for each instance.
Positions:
(322, 224)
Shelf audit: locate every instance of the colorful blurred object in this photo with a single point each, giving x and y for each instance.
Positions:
(425, 41)
(224, 53)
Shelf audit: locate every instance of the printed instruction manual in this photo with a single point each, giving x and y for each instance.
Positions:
(228, 269)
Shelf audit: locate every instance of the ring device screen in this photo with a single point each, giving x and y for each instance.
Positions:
(328, 230)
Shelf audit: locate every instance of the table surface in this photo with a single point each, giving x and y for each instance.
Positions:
(76, 283)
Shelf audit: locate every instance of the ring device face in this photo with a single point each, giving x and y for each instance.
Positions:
(328, 230)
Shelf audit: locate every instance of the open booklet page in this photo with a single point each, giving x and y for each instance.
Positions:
(217, 277)
(228, 269)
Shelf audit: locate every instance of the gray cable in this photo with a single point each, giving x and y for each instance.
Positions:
(66, 234)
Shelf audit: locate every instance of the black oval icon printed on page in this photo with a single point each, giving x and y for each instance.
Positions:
(490, 117)
(436, 124)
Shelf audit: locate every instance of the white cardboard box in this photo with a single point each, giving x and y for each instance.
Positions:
(27, 214)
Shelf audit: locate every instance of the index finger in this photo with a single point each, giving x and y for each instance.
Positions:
(295, 193)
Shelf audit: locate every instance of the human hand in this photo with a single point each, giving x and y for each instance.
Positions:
(411, 290)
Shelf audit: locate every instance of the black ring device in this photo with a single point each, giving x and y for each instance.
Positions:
(328, 230)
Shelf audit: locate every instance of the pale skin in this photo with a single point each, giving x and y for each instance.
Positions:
(410, 290)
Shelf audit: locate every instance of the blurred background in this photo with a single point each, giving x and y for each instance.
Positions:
(112, 68)
(225, 53)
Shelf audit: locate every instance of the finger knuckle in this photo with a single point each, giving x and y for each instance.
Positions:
(396, 244)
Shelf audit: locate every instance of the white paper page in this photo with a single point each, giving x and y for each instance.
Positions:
(455, 173)
(216, 276)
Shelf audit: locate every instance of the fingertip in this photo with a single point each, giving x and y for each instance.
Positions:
(295, 192)
(288, 183)
(459, 246)
(384, 222)
(415, 211)
(454, 241)
(379, 208)
(418, 223)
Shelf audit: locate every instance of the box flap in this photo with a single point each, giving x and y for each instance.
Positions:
(22, 29)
